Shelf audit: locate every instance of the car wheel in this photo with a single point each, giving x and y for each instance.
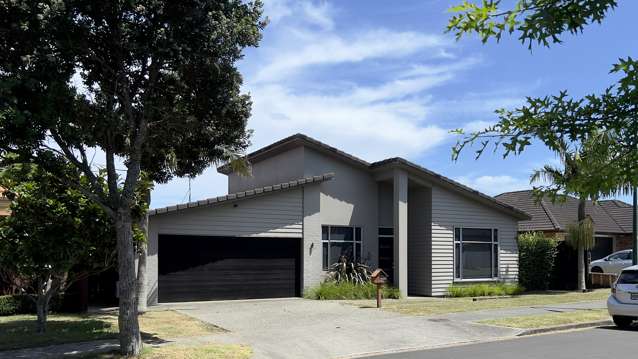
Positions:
(622, 322)
(597, 270)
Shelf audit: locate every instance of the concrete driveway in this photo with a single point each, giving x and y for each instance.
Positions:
(300, 328)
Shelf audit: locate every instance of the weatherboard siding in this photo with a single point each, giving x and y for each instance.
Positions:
(450, 210)
(272, 215)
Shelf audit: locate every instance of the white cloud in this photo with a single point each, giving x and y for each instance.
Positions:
(367, 129)
(306, 49)
(493, 185)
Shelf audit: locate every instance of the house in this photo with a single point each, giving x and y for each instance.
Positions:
(5, 204)
(612, 219)
(305, 205)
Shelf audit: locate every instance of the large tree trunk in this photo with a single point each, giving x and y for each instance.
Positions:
(47, 288)
(42, 310)
(582, 271)
(142, 294)
(130, 340)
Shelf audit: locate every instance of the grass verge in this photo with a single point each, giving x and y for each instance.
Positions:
(176, 351)
(434, 306)
(550, 320)
(484, 290)
(347, 290)
(18, 331)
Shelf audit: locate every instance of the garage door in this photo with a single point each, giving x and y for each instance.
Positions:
(193, 268)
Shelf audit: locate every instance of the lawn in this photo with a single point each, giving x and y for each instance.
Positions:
(18, 331)
(177, 351)
(550, 320)
(434, 306)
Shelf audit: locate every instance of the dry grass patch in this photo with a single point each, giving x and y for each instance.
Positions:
(171, 324)
(176, 351)
(550, 320)
(435, 306)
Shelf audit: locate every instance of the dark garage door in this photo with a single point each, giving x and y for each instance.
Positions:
(195, 268)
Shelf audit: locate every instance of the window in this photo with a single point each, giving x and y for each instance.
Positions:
(340, 241)
(628, 277)
(475, 253)
(622, 256)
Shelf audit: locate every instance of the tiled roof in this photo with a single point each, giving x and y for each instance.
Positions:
(244, 194)
(608, 216)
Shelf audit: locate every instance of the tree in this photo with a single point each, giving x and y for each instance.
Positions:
(156, 89)
(53, 237)
(581, 175)
(614, 111)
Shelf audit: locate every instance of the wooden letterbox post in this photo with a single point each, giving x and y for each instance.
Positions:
(379, 278)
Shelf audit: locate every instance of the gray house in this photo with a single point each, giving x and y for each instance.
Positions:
(305, 205)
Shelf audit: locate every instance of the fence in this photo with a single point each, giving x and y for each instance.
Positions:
(603, 280)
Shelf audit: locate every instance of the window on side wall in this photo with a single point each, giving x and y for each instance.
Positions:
(338, 241)
(475, 253)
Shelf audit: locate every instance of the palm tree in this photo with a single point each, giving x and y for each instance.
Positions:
(581, 174)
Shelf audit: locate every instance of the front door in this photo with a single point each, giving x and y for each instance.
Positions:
(386, 251)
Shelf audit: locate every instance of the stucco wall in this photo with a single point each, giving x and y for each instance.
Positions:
(419, 241)
(284, 167)
(349, 199)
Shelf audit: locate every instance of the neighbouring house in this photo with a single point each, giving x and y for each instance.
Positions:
(305, 205)
(612, 219)
(5, 203)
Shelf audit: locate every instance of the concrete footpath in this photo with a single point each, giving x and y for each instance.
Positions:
(295, 328)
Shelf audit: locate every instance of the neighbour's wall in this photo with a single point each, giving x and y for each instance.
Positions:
(349, 199)
(284, 167)
(449, 210)
(277, 214)
(419, 241)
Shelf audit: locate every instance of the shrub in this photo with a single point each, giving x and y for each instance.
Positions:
(536, 256)
(15, 304)
(484, 290)
(348, 290)
(22, 304)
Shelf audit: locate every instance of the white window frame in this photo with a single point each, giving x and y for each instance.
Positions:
(329, 240)
(458, 277)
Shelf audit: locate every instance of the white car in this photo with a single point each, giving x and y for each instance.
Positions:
(613, 263)
(622, 304)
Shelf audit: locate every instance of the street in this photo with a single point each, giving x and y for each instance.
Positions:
(606, 342)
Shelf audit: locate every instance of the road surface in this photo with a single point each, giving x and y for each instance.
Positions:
(607, 342)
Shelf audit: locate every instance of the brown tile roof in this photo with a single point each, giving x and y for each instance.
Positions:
(608, 216)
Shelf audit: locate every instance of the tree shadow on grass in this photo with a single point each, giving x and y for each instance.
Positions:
(21, 333)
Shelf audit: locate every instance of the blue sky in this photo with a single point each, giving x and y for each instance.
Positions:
(381, 79)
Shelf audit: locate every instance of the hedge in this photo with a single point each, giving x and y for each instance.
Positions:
(348, 290)
(15, 304)
(22, 304)
(484, 290)
(536, 257)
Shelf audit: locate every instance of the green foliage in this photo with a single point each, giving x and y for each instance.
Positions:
(52, 230)
(536, 21)
(346, 270)
(348, 290)
(581, 235)
(605, 122)
(12, 304)
(536, 256)
(484, 290)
